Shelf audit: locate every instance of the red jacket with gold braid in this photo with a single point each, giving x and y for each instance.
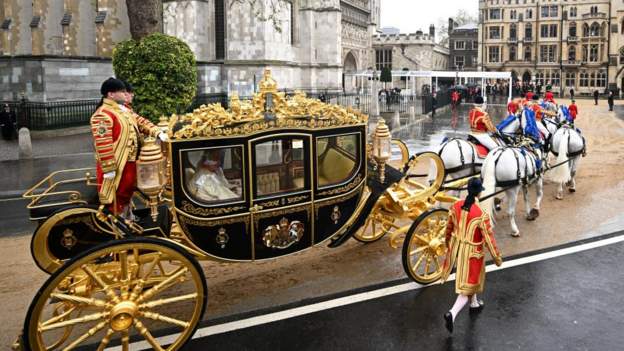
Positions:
(467, 232)
(480, 121)
(116, 137)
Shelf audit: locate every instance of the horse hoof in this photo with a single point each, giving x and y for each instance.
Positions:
(572, 190)
(533, 214)
(498, 208)
(515, 235)
(559, 197)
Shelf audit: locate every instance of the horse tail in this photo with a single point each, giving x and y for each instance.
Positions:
(488, 172)
(561, 173)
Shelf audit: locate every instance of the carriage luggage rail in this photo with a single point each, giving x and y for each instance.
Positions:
(49, 189)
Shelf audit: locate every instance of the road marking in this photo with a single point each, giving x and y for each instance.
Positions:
(365, 296)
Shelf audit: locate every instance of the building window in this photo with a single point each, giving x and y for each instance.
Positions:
(459, 62)
(529, 13)
(584, 79)
(593, 53)
(585, 30)
(527, 53)
(528, 31)
(584, 53)
(495, 33)
(460, 45)
(601, 79)
(572, 53)
(556, 79)
(548, 30)
(539, 78)
(573, 11)
(513, 31)
(572, 29)
(494, 54)
(570, 79)
(550, 11)
(547, 53)
(495, 14)
(383, 58)
(622, 55)
(594, 30)
(475, 60)
(513, 14)
(513, 53)
(592, 79)
(220, 29)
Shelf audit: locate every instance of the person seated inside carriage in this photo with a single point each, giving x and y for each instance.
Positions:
(481, 127)
(209, 183)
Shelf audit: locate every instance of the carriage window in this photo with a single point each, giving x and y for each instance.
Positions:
(280, 166)
(214, 174)
(338, 158)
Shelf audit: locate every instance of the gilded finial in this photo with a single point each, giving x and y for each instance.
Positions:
(268, 84)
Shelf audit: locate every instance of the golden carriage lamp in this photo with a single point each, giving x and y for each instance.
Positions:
(163, 125)
(382, 147)
(151, 173)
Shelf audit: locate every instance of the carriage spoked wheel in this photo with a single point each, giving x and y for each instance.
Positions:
(424, 247)
(130, 289)
(377, 224)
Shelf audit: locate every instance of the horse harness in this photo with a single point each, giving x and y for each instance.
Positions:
(571, 154)
(463, 165)
(519, 179)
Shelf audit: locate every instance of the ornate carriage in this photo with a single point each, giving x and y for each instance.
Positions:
(266, 178)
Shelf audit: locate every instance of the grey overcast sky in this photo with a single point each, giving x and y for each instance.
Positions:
(412, 15)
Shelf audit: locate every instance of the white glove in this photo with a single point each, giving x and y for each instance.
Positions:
(109, 175)
(163, 136)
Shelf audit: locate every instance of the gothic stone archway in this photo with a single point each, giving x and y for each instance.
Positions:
(349, 65)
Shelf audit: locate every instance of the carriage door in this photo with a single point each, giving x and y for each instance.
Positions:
(281, 181)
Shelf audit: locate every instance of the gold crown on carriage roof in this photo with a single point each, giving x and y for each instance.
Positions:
(268, 109)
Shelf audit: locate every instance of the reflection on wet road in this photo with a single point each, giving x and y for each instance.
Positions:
(427, 133)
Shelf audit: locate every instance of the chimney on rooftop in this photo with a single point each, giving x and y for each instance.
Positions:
(432, 32)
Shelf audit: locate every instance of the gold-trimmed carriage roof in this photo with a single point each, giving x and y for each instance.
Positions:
(269, 109)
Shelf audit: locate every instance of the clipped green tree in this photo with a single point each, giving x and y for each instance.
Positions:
(162, 70)
(386, 75)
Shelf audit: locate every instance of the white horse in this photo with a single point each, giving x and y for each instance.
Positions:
(461, 157)
(513, 168)
(566, 143)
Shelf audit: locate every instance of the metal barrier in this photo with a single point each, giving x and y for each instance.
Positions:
(63, 114)
(51, 115)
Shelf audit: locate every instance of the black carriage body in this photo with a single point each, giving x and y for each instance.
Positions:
(285, 190)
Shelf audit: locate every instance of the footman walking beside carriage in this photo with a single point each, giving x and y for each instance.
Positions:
(468, 230)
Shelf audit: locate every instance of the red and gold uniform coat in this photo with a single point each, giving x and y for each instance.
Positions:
(480, 121)
(116, 137)
(466, 235)
(573, 111)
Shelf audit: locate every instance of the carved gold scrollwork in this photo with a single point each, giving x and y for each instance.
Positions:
(184, 221)
(297, 199)
(189, 208)
(283, 235)
(245, 117)
(222, 238)
(69, 239)
(343, 188)
(335, 216)
(334, 201)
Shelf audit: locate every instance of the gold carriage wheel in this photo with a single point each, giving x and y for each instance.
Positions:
(377, 224)
(424, 247)
(118, 291)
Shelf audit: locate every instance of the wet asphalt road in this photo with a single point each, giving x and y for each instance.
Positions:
(570, 302)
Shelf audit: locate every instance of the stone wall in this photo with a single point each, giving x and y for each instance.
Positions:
(193, 22)
(52, 79)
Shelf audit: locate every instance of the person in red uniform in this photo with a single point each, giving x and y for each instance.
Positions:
(513, 106)
(480, 120)
(573, 110)
(116, 139)
(549, 96)
(455, 97)
(529, 95)
(468, 232)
